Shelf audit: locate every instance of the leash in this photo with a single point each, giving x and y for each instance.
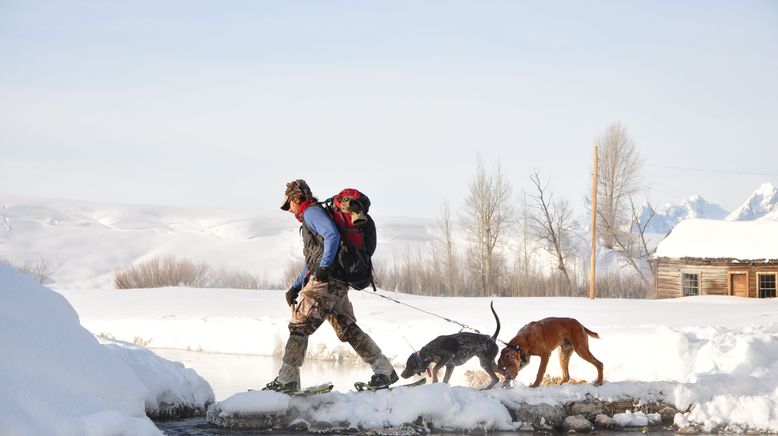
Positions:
(464, 326)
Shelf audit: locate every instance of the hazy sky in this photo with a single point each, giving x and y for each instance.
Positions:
(219, 103)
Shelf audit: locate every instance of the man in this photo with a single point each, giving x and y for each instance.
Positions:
(322, 296)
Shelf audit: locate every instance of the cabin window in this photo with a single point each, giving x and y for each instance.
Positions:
(766, 285)
(691, 284)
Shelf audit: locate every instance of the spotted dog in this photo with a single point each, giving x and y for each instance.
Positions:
(454, 350)
(540, 338)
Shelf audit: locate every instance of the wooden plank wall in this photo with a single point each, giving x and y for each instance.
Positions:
(668, 280)
(713, 275)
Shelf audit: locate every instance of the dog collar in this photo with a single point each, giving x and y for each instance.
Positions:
(421, 363)
(521, 352)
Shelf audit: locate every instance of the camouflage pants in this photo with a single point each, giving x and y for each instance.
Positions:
(328, 301)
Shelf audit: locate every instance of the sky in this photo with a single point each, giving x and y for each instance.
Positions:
(220, 103)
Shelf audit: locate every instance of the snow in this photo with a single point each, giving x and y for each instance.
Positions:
(55, 378)
(636, 419)
(713, 239)
(262, 243)
(255, 401)
(169, 384)
(718, 353)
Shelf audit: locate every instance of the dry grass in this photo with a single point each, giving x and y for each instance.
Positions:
(171, 271)
(553, 381)
(479, 379)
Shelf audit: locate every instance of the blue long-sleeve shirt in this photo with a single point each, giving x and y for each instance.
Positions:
(319, 222)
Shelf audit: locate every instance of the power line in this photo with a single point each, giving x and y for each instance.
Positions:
(750, 173)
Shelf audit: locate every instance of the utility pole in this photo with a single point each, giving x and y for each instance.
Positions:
(592, 269)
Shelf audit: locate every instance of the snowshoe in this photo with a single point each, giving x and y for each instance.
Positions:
(313, 390)
(284, 388)
(381, 381)
(291, 388)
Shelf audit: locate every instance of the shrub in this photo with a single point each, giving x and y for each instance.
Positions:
(39, 268)
(170, 271)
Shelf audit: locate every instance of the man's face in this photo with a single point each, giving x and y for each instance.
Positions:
(294, 207)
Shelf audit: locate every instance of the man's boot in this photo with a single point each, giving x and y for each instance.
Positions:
(285, 388)
(382, 381)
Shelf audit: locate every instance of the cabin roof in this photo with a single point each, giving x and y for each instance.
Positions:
(716, 239)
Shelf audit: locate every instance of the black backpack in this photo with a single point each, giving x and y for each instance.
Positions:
(349, 210)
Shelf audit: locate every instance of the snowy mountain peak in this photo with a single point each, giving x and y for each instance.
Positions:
(696, 207)
(763, 203)
(670, 214)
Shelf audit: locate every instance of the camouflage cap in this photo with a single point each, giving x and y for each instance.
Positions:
(296, 190)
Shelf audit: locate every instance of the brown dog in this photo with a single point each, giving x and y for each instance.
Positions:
(540, 338)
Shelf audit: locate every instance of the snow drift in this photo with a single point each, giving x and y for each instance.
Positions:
(55, 378)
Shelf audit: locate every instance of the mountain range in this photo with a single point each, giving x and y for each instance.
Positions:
(761, 204)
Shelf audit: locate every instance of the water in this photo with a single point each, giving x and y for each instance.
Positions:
(198, 427)
(229, 374)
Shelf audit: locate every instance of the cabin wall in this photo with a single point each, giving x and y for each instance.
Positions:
(713, 276)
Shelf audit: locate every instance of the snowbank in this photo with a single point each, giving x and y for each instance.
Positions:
(713, 239)
(173, 390)
(55, 378)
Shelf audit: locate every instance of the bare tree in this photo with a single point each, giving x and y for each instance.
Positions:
(631, 244)
(624, 242)
(523, 267)
(639, 226)
(485, 221)
(550, 221)
(618, 178)
(451, 265)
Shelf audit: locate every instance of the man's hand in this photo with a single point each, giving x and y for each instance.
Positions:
(322, 274)
(291, 295)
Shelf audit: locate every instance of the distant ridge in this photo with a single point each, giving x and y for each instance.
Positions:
(762, 204)
(671, 214)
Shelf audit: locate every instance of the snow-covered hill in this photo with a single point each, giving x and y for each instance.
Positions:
(88, 241)
(761, 204)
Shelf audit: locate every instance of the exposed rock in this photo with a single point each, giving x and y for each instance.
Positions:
(604, 421)
(619, 406)
(687, 430)
(542, 416)
(668, 414)
(577, 423)
(589, 409)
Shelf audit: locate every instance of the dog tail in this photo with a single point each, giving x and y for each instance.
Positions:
(497, 332)
(591, 333)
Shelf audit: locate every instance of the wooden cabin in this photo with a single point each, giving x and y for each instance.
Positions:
(712, 257)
